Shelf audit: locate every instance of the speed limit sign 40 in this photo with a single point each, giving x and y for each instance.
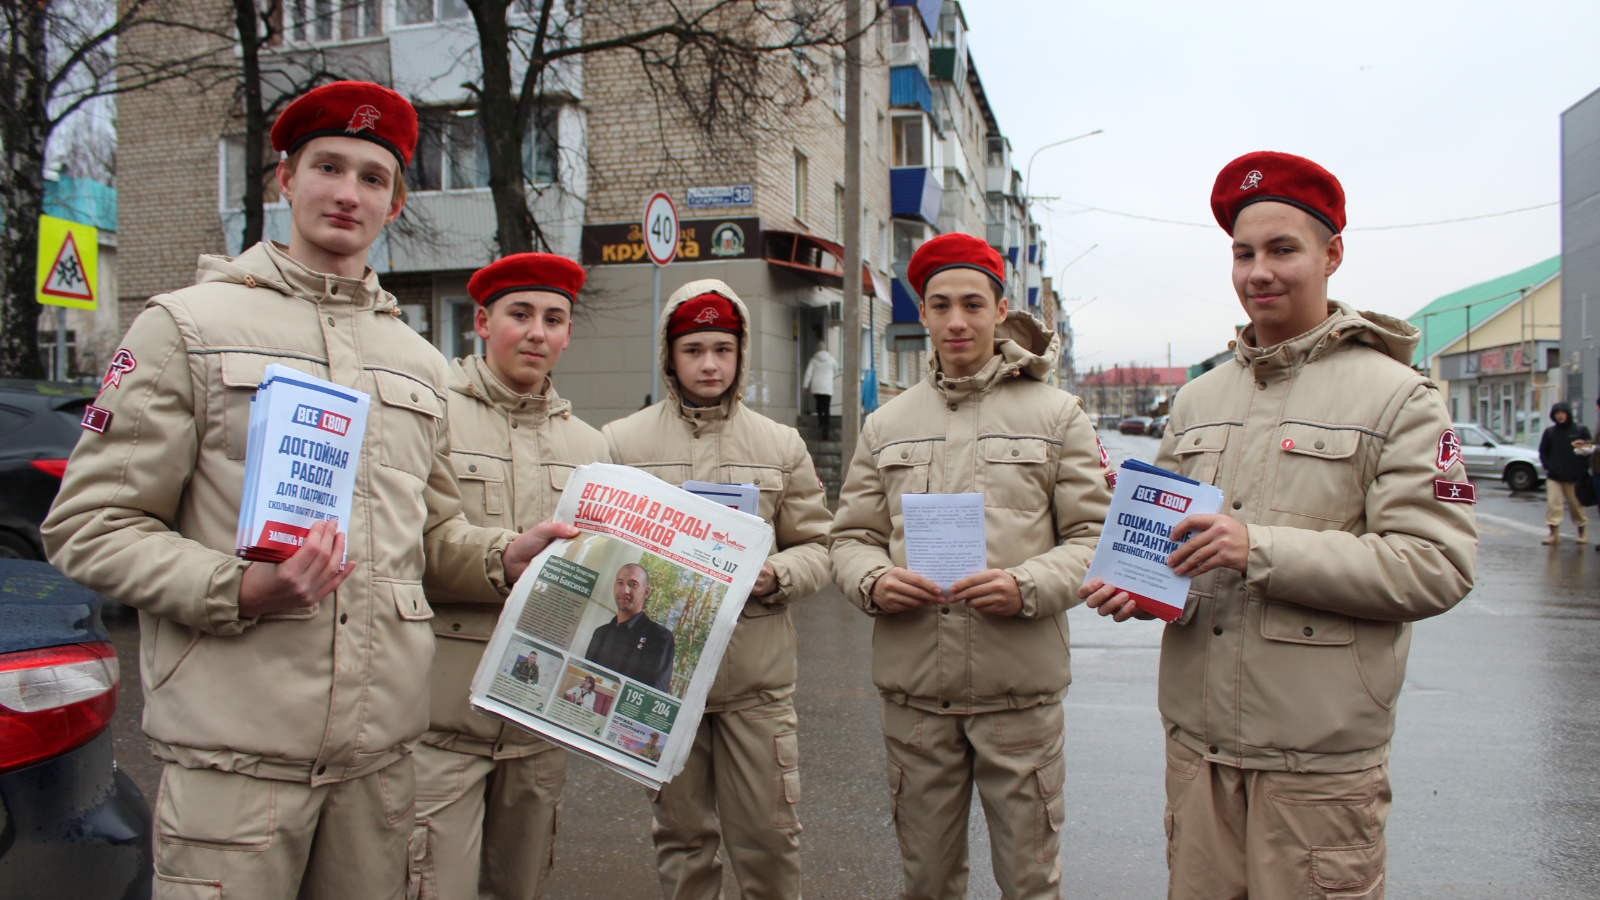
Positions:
(661, 229)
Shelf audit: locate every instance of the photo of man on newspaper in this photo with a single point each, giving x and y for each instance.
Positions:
(631, 643)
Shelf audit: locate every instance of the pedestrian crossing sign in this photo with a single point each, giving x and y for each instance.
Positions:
(68, 263)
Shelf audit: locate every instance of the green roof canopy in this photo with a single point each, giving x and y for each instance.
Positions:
(1446, 317)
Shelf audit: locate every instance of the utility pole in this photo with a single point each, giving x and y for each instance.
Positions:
(852, 235)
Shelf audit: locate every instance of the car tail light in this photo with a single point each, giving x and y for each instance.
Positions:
(54, 700)
(56, 467)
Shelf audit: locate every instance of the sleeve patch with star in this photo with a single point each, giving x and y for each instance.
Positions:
(1455, 491)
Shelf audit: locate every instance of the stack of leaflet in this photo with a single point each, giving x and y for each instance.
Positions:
(300, 463)
(1136, 540)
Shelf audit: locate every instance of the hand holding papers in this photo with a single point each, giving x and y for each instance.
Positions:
(944, 536)
(1136, 541)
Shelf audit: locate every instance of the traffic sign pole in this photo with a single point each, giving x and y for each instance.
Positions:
(661, 244)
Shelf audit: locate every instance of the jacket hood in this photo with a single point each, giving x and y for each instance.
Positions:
(1394, 338)
(470, 376)
(1561, 406)
(269, 265)
(669, 381)
(1022, 347)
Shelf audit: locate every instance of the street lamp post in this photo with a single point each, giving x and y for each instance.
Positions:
(1027, 181)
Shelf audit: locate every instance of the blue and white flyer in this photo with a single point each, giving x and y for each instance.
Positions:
(300, 463)
(1134, 544)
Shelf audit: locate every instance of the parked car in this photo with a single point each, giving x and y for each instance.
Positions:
(39, 426)
(1107, 421)
(1158, 427)
(1134, 425)
(71, 823)
(1488, 455)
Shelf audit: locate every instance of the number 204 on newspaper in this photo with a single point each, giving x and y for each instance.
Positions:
(1136, 540)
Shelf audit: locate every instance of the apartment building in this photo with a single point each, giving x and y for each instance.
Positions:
(763, 211)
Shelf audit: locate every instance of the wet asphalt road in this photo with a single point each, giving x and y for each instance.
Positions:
(1496, 763)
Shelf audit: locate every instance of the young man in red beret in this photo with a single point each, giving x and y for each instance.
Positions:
(488, 793)
(972, 676)
(283, 697)
(1347, 516)
(741, 782)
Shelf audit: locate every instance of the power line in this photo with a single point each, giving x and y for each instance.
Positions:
(1492, 215)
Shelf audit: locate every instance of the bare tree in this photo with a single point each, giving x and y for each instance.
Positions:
(728, 68)
(56, 57)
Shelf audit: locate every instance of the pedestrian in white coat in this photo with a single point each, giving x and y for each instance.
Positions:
(819, 381)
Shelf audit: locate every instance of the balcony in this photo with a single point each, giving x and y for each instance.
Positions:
(927, 9)
(915, 194)
(908, 87)
(905, 302)
(948, 64)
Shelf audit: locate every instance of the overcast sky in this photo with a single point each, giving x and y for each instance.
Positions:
(1424, 111)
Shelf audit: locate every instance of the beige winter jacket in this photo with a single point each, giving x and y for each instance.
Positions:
(512, 454)
(1031, 451)
(147, 515)
(732, 444)
(1327, 446)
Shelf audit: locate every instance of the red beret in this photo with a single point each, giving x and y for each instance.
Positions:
(1264, 175)
(526, 272)
(707, 312)
(349, 109)
(954, 251)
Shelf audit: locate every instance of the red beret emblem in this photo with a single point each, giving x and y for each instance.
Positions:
(1251, 180)
(363, 118)
(707, 316)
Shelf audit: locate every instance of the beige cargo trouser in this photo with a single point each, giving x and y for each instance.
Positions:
(1014, 757)
(739, 786)
(485, 827)
(1563, 493)
(225, 835)
(1236, 833)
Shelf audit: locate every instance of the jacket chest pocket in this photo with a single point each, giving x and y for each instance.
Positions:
(903, 469)
(767, 479)
(1016, 472)
(1316, 472)
(241, 375)
(1293, 624)
(409, 414)
(1199, 452)
(483, 488)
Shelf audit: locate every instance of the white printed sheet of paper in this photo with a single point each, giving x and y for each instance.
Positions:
(945, 539)
(1135, 542)
(743, 497)
(610, 640)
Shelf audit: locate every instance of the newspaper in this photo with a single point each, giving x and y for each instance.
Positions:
(610, 640)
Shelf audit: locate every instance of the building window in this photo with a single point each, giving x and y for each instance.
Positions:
(900, 24)
(883, 139)
(328, 20)
(908, 236)
(451, 153)
(838, 86)
(883, 244)
(908, 142)
(232, 188)
(418, 12)
(802, 185)
(838, 212)
(47, 351)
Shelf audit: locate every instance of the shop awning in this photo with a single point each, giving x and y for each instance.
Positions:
(816, 259)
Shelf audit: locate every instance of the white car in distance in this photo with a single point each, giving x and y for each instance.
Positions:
(1488, 455)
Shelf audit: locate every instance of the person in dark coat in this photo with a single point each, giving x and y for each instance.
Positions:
(631, 643)
(1562, 468)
